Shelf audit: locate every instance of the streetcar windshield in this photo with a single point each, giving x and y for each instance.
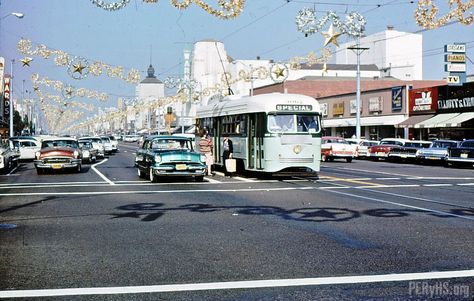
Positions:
(293, 123)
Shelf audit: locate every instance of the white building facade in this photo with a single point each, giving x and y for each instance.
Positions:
(398, 54)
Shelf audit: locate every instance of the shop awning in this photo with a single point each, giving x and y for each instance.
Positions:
(364, 121)
(458, 120)
(412, 120)
(435, 121)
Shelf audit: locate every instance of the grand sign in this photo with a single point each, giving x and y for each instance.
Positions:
(6, 98)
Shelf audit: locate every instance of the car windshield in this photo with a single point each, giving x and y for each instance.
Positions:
(443, 144)
(59, 143)
(85, 144)
(171, 144)
(391, 142)
(335, 140)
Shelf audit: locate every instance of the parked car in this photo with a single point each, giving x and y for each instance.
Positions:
(162, 156)
(114, 143)
(462, 155)
(130, 138)
(382, 150)
(437, 152)
(337, 148)
(107, 144)
(408, 151)
(97, 144)
(9, 156)
(27, 146)
(89, 153)
(362, 146)
(57, 154)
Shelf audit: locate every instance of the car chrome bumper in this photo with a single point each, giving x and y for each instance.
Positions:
(172, 171)
(59, 165)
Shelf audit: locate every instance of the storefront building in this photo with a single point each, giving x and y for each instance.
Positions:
(454, 108)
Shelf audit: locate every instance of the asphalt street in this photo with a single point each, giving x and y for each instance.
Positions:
(362, 231)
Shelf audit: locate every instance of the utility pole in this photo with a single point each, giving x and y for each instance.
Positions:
(358, 51)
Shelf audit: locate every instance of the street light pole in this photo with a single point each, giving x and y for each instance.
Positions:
(358, 51)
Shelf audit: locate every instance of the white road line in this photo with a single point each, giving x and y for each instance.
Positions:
(250, 189)
(49, 183)
(465, 184)
(402, 205)
(437, 185)
(13, 170)
(370, 171)
(100, 174)
(210, 180)
(387, 179)
(245, 179)
(249, 284)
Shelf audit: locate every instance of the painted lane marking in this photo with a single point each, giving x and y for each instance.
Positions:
(402, 205)
(156, 191)
(437, 185)
(212, 181)
(13, 170)
(388, 178)
(414, 198)
(353, 181)
(245, 179)
(465, 184)
(100, 174)
(50, 183)
(248, 284)
(370, 171)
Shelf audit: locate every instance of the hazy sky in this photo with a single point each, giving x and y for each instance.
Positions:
(266, 28)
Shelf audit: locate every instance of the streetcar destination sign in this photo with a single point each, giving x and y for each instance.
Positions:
(298, 108)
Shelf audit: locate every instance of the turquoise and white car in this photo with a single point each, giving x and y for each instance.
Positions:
(164, 156)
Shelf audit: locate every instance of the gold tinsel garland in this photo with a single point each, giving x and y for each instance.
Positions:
(62, 58)
(426, 13)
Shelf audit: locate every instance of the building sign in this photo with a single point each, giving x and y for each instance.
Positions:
(338, 109)
(375, 104)
(456, 103)
(6, 99)
(423, 100)
(353, 106)
(324, 109)
(294, 108)
(456, 99)
(397, 98)
(450, 67)
(455, 58)
(455, 48)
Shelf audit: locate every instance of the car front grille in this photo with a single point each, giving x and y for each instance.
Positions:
(56, 160)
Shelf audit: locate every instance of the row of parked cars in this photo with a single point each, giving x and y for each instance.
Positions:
(51, 153)
(448, 152)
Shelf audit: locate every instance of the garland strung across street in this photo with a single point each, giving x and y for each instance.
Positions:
(425, 14)
(228, 9)
(77, 67)
(68, 91)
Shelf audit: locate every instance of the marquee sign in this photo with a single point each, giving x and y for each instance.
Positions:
(6, 98)
(455, 59)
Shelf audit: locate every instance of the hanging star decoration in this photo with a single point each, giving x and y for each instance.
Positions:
(308, 23)
(278, 72)
(331, 36)
(26, 61)
(78, 68)
(425, 14)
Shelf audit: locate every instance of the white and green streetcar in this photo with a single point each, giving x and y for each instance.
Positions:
(275, 133)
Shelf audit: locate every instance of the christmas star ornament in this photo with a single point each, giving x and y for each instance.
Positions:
(278, 72)
(26, 61)
(78, 68)
(331, 36)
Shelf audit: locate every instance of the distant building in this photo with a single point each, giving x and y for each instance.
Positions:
(148, 90)
(397, 54)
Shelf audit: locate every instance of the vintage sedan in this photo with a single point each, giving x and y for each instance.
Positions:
(57, 154)
(89, 153)
(382, 150)
(462, 155)
(162, 156)
(9, 156)
(437, 152)
(337, 148)
(408, 151)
